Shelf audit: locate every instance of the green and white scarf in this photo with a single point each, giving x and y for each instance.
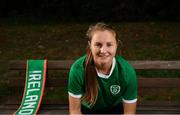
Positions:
(34, 87)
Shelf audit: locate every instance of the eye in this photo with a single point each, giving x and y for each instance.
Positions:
(98, 44)
(109, 44)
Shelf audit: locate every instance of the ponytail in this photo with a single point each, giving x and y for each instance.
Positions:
(91, 83)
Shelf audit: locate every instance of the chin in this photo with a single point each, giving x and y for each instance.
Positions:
(104, 61)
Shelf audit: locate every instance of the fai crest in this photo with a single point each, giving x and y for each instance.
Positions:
(115, 89)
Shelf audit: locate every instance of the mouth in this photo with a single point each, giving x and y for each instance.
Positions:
(103, 56)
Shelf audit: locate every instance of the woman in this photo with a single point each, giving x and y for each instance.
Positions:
(100, 81)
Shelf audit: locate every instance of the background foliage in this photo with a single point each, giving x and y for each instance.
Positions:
(90, 10)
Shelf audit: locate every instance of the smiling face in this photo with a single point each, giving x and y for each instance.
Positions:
(103, 46)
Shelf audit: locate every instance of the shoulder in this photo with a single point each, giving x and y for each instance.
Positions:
(123, 62)
(76, 78)
(78, 65)
(126, 67)
(76, 73)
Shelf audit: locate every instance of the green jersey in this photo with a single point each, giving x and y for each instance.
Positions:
(119, 86)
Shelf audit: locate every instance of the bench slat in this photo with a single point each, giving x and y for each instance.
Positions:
(159, 82)
(175, 65)
(153, 108)
(66, 64)
(142, 82)
(53, 65)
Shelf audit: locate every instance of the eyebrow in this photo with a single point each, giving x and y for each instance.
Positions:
(106, 42)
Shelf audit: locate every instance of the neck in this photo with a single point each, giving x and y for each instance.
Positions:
(104, 68)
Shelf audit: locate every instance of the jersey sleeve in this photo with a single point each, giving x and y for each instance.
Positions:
(130, 95)
(75, 82)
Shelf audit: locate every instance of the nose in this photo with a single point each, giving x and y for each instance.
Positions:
(103, 49)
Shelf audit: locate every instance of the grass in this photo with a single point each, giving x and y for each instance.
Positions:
(21, 40)
(144, 40)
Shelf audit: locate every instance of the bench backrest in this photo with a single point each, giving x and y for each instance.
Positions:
(138, 65)
(66, 64)
(145, 85)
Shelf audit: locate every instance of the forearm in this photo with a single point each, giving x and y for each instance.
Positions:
(129, 108)
(74, 106)
(72, 112)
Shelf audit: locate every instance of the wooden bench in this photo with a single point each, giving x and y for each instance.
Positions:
(148, 86)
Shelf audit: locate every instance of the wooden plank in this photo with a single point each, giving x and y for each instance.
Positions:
(59, 102)
(156, 64)
(159, 82)
(50, 82)
(158, 107)
(142, 82)
(161, 107)
(66, 64)
(52, 65)
(44, 109)
(159, 103)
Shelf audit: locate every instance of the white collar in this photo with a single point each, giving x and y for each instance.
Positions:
(107, 76)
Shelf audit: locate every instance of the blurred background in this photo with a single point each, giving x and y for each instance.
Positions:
(55, 30)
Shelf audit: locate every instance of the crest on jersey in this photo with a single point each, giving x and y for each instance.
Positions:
(115, 89)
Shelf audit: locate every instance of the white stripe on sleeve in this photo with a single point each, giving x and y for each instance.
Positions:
(130, 101)
(75, 96)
